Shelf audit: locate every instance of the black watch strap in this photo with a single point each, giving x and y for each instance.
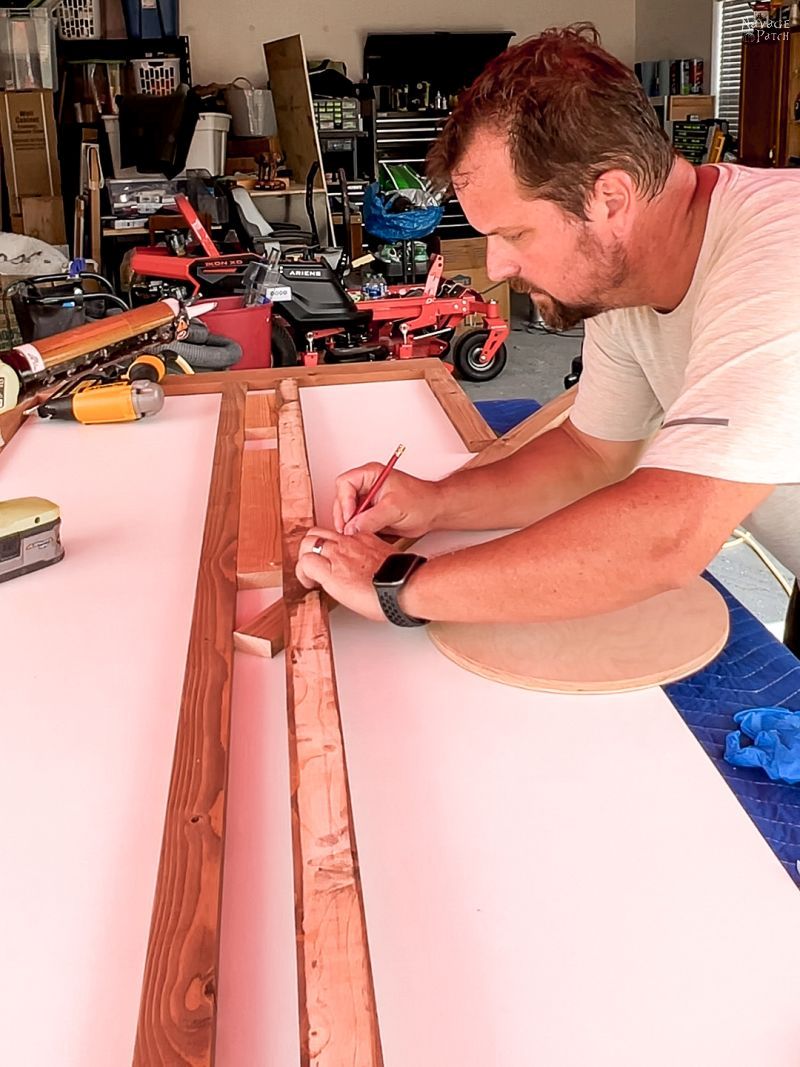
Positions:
(387, 598)
(390, 580)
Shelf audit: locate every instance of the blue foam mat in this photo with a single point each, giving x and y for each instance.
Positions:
(753, 670)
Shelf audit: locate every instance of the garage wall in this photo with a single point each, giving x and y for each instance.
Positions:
(226, 37)
(675, 29)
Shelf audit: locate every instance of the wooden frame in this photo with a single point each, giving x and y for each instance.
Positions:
(178, 1012)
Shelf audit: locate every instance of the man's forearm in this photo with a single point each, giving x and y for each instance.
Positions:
(622, 545)
(541, 478)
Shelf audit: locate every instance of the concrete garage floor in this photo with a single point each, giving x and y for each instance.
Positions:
(537, 364)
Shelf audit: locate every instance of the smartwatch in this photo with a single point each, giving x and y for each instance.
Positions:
(390, 579)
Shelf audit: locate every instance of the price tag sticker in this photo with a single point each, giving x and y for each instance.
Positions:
(279, 293)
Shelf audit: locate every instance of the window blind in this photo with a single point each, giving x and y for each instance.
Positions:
(735, 19)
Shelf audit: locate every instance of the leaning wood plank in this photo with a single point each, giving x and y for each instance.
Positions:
(338, 1016)
(264, 635)
(546, 418)
(470, 425)
(258, 564)
(178, 1012)
(326, 374)
(260, 419)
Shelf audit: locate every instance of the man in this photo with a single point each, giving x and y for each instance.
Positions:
(685, 424)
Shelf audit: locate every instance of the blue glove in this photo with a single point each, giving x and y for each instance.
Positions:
(775, 733)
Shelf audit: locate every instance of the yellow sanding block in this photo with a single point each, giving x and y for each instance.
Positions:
(30, 536)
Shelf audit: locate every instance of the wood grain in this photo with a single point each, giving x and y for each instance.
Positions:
(258, 563)
(325, 374)
(177, 1018)
(470, 425)
(263, 635)
(338, 1016)
(43, 218)
(260, 417)
(657, 641)
(294, 112)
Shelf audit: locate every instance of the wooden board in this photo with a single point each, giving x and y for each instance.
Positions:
(338, 1017)
(260, 419)
(258, 564)
(472, 428)
(667, 637)
(294, 111)
(43, 217)
(178, 1012)
(325, 374)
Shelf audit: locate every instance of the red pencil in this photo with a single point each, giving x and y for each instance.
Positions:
(365, 503)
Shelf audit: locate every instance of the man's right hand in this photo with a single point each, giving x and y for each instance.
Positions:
(404, 505)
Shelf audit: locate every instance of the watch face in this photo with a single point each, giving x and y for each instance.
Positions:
(395, 569)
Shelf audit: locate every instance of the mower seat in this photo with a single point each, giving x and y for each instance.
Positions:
(264, 236)
(319, 301)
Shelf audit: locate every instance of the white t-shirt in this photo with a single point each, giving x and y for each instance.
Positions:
(717, 380)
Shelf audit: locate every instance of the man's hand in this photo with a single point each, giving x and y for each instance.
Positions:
(404, 505)
(344, 568)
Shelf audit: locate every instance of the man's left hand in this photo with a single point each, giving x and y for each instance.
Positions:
(344, 568)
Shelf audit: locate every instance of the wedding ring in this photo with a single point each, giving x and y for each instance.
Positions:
(318, 546)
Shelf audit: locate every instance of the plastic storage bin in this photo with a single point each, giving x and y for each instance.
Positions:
(151, 18)
(209, 144)
(251, 327)
(207, 151)
(80, 20)
(27, 49)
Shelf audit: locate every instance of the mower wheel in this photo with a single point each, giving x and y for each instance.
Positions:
(284, 350)
(468, 361)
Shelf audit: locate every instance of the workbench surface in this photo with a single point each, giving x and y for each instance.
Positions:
(548, 880)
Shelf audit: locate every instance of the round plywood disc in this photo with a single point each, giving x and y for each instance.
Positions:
(657, 641)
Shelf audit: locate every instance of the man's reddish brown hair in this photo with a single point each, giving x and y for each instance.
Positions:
(570, 112)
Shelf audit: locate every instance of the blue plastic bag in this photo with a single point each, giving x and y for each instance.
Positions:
(775, 748)
(397, 226)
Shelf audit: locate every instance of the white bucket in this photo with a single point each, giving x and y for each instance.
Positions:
(206, 152)
(252, 110)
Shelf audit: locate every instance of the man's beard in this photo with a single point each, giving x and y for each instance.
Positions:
(556, 315)
(559, 316)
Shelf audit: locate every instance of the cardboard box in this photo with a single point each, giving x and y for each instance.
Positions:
(468, 256)
(683, 108)
(42, 217)
(30, 148)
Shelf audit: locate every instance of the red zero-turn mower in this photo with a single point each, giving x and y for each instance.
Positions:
(315, 319)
